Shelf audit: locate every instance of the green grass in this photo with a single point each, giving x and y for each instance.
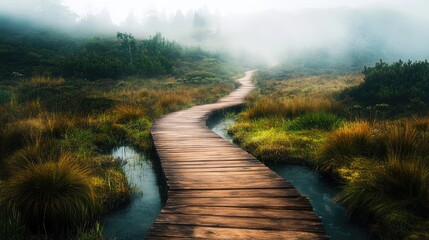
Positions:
(289, 108)
(80, 141)
(269, 140)
(316, 120)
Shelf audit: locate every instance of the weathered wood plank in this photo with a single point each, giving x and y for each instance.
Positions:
(241, 212)
(196, 232)
(239, 193)
(217, 190)
(313, 225)
(271, 203)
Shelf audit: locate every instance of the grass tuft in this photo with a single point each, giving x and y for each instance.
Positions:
(398, 185)
(352, 140)
(126, 113)
(52, 197)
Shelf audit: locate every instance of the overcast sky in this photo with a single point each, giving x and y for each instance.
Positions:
(119, 9)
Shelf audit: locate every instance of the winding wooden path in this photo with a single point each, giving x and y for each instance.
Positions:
(217, 190)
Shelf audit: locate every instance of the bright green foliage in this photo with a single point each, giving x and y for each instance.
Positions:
(269, 140)
(317, 120)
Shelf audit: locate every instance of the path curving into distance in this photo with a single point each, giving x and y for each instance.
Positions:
(216, 190)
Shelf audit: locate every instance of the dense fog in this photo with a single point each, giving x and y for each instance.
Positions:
(332, 35)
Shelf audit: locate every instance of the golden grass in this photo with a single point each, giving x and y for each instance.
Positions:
(419, 123)
(46, 80)
(125, 113)
(309, 85)
(57, 123)
(168, 101)
(33, 139)
(290, 108)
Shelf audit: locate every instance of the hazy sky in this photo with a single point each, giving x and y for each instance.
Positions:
(119, 9)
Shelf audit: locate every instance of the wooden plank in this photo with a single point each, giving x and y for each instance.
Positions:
(196, 232)
(238, 193)
(217, 190)
(313, 225)
(270, 203)
(241, 212)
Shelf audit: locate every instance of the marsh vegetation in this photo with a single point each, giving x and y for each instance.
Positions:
(362, 130)
(56, 177)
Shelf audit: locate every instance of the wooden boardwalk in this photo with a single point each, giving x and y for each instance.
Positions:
(217, 190)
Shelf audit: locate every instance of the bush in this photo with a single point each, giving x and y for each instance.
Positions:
(201, 77)
(52, 197)
(316, 120)
(404, 86)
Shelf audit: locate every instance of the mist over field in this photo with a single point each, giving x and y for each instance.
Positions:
(335, 34)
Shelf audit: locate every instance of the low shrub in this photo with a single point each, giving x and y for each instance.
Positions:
(201, 77)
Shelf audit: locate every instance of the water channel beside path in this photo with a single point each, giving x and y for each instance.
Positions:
(309, 183)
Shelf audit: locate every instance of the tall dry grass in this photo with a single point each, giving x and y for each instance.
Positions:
(53, 197)
(126, 113)
(398, 184)
(168, 101)
(349, 141)
(46, 81)
(290, 108)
